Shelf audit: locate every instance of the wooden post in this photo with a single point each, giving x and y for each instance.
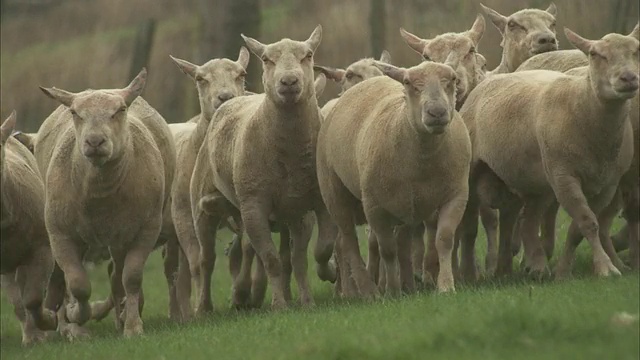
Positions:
(142, 47)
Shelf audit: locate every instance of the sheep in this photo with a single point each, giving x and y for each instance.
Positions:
(532, 152)
(26, 256)
(27, 139)
(356, 72)
(525, 33)
(379, 151)
(258, 161)
(574, 62)
(118, 156)
(217, 81)
(471, 69)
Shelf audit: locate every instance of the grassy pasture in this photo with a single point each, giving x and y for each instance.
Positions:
(498, 319)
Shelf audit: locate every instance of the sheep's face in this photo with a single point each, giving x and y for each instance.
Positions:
(525, 33)
(357, 72)
(613, 63)
(459, 49)
(217, 81)
(100, 118)
(430, 91)
(287, 67)
(5, 132)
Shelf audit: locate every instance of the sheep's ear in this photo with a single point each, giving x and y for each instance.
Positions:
(498, 20)
(314, 39)
(635, 33)
(62, 96)
(334, 74)
(254, 45)
(319, 84)
(185, 66)
(477, 30)
(27, 140)
(552, 9)
(243, 57)
(7, 127)
(396, 73)
(135, 87)
(578, 41)
(414, 42)
(385, 57)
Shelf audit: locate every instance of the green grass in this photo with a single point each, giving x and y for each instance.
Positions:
(509, 319)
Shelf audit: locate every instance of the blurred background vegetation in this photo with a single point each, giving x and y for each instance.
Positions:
(80, 44)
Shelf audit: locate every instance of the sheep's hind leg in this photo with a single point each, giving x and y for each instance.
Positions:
(285, 258)
(300, 236)
(327, 234)
(33, 284)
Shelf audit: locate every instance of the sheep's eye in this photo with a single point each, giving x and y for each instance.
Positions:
(242, 75)
(406, 82)
(472, 50)
(349, 75)
(266, 60)
(73, 112)
(553, 25)
(512, 24)
(426, 57)
(309, 55)
(200, 79)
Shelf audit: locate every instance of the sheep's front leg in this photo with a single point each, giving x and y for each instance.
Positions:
(134, 262)
(548, 229)
(489, 219)
(171, 259)
(241, 288)
(417, 249)
(285, 258)
(301, 235)
(327, 233)
(36, 276)
(388, 252)
(605, 220)
(449, 217)
(509, 217)
(430, 266)
(117, 289)
(534, 258)
(570, 195)
(68, 254)
(30, 332)
(258, 284)
(404, 240)
(632, 215)
(373, 259)
(101, 308)
(255, 214)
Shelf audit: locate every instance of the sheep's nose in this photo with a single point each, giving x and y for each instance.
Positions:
(629, 77)
(95, 140)
(544, 39)
(289, 80)
(437, 111)
(225, 95)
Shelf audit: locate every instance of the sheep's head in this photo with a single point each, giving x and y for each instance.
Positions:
(359, 71)
(613, 62)
(287, 67)
(5, 132)
(100, 118)
(430, 92)
(460, 48)
(218, 80)
(525, 33)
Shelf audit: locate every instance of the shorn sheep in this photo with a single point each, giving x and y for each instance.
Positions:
(358, 71)
(525, 33)
(109, 161)
(394, 152)
(533, 150)
(26, 256)
(470, 68)
(574, 62)
(217, 81)
(258, 160)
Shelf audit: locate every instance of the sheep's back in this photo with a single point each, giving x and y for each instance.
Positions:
(347, 129)
(560, 60)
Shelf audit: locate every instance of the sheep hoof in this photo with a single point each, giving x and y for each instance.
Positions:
(133, 330)
(327, 272)
(277, 304)
(49, 320)
(34, 337)
(605, 269)
(100, 309)
(78, 314)
(74, 332)
(307, 302)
